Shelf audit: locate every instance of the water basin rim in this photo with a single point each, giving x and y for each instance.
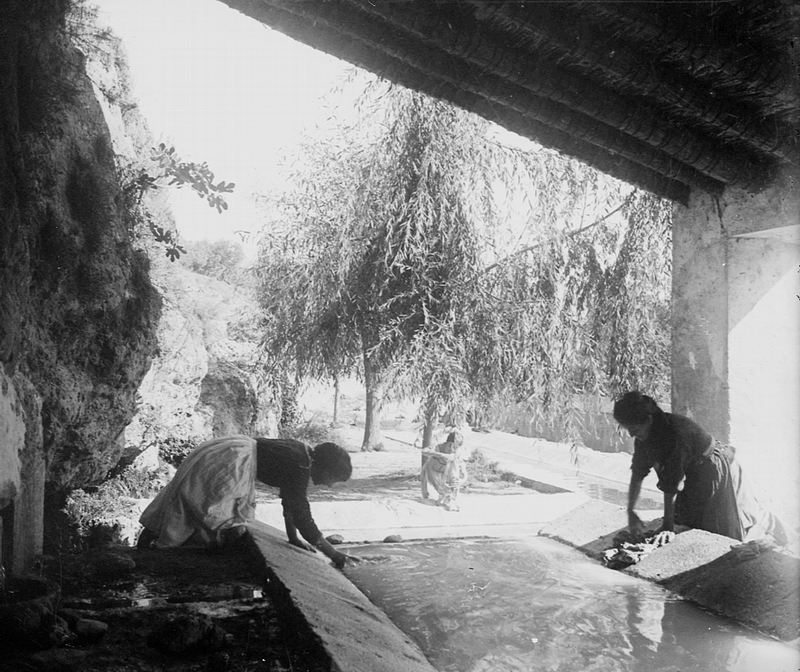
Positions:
(419, 540)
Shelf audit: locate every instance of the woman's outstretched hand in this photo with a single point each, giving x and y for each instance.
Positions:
(662, 537)
(342, 559)
(664, 534)
(635, 526)
(302, 544)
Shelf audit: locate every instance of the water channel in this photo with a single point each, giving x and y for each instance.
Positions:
(490, 605)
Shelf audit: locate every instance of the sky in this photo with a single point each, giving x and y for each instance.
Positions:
(223, 89)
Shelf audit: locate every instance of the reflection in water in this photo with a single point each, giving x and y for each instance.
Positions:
(490, 605)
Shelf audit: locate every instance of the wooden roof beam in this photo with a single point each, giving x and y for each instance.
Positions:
(480, 81)
(759, 75)
(522, 75)
(341, 45)
(622, 68)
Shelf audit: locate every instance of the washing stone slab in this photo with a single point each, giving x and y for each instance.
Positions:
(354, 633)
(688, 551)
(757, 587)
(590, 527)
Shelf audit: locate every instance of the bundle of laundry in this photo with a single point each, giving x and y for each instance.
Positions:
(626, 553)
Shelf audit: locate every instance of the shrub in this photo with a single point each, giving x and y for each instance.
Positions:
(173, 450)
(311, 432)
(93, 512)
(480, 469)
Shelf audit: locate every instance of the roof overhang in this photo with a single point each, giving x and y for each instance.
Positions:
(670, 96)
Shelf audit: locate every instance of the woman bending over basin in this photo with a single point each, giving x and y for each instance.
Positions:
(702, 482)
(212, 495)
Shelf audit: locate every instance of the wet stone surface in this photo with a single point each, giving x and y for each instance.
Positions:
(126, 609)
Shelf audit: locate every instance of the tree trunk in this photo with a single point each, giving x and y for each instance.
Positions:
(431, 417)
(374, 388)
(335, 400)
(289, 408)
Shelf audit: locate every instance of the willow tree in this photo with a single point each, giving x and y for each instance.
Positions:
(581, 312)
(375, 242)
(370, 241)
(417, 249)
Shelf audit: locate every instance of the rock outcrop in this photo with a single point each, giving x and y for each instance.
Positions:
(203, 383)
(78, 313)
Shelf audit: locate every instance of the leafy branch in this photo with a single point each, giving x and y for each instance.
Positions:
(198, 176)
(570, 234)
(168, 238)
(171, 171)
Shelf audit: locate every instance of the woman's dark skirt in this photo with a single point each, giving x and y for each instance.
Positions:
(718, 498)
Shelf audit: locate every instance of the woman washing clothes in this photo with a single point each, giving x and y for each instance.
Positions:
(702, 482)
(211, 498)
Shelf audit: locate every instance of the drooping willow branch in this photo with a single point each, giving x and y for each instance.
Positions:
(571, 234)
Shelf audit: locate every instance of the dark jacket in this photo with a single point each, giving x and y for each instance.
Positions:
(286, 464)
(673, 448)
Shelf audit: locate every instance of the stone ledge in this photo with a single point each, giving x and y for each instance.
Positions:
(354, 633)
(760, 589)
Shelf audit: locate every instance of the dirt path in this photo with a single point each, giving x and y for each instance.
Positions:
(391, 473)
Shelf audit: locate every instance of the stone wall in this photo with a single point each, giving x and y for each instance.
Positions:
(596, 427)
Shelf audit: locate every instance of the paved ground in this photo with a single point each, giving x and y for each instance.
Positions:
(480, 515)
(369, 510)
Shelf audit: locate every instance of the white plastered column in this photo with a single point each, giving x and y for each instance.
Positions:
(736, 330)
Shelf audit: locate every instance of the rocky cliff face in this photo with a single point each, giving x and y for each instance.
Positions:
(78, 313)
(203, 382)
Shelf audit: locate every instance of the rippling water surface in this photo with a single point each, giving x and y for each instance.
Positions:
(534, 604)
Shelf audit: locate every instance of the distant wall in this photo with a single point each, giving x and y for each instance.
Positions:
(598, 429)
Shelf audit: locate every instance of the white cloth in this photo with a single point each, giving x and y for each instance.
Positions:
(212, 491)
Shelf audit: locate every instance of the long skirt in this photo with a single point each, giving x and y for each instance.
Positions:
(212, 491)
(718, 498)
